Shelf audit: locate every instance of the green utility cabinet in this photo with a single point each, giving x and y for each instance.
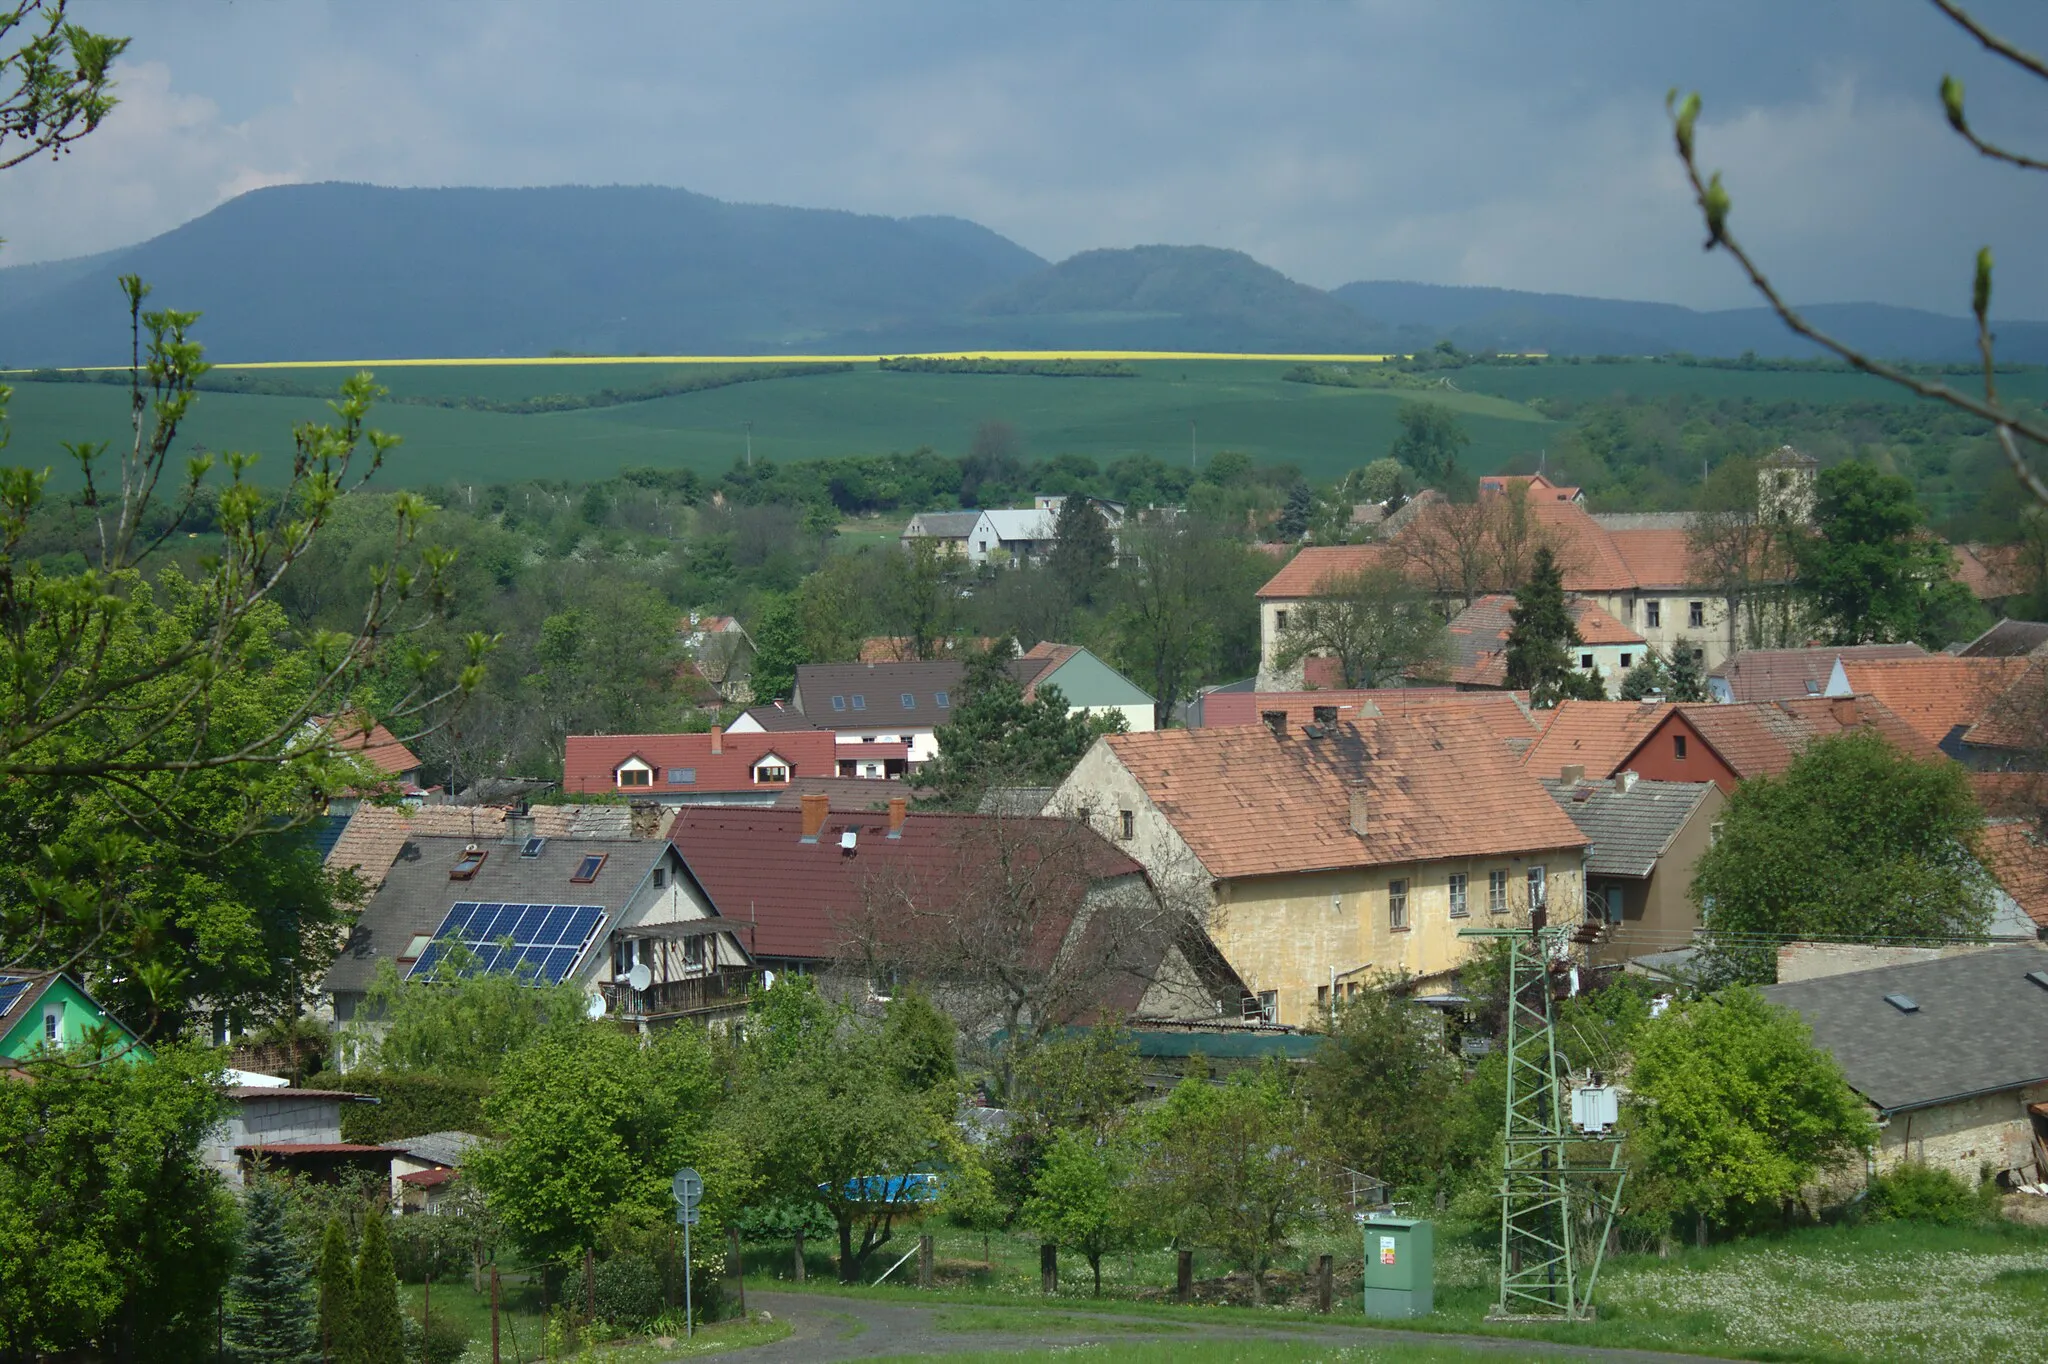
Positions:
(1400, 1267)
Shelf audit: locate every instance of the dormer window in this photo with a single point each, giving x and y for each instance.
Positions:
(633, 772)
(771, 768)
(588, 868)
(470, 863)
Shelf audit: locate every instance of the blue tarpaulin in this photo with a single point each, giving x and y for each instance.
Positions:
(918, 1188)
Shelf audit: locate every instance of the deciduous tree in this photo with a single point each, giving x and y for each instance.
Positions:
(1431, 437)
(1380, 1083)
(1375, 623)
(1873, 572)
(1082, 1198)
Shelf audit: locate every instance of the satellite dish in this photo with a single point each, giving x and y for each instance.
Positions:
(640, 977)
(593, 1005)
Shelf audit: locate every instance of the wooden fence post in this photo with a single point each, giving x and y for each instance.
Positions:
(589, 1284)
(1184, 1278)
(494, 1316)
(1048, 1268)
(924, 1261)
(739, 1269)
(1325, 1287)
(799, 1257)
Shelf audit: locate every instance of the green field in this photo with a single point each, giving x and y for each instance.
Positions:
(1235, 405)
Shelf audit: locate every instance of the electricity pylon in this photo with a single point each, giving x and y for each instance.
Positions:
(1543, 1274)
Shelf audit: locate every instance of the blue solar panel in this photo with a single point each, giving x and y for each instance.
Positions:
(10, 990)
(535, 942)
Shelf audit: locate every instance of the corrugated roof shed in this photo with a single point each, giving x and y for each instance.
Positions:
(1981, 1026)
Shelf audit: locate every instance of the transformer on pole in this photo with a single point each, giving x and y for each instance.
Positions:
(1550, 1252)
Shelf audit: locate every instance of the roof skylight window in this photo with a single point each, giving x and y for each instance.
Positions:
(532, 846)
(1903, 1003)
(587, 869)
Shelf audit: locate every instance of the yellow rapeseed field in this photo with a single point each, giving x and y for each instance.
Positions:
(772, 359)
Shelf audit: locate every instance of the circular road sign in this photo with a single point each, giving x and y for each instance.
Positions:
(688, 1187)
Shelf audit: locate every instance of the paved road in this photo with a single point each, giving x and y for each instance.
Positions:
(829, 1327)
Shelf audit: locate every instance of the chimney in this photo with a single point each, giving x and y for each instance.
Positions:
(1624, 782)
(898, 806)
(816, 808)
(1359, 799)
(1844, 709)
(717, 740)
(1276, 720)
(1571, 774)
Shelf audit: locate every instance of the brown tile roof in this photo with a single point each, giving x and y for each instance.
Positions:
(2017, 859)
(1763, 738)
(1506, 713)
(1787, 674)
(1479, 637)
(1989, 571)
(902, 649)
(1598, 626)
(1316, 568)
(2011, 794)
(1595, 735)
(375, 833)
(1940, 694)
(1438, 785)
(1656, 558)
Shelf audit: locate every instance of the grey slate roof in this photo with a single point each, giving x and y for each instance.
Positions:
(879, 688)
(417, 894)
(775, 719)
(946, 525)
(1630, 830)
(2007, 639)
(1981, 1028)
(442, 1148)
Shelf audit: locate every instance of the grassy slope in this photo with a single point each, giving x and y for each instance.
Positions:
(1236, 404)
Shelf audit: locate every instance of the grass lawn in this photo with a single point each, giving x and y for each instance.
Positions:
(1241, 1352)
(1878, 1292)
(520, 1327)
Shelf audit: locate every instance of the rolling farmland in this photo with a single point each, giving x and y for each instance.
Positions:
(1237, 403)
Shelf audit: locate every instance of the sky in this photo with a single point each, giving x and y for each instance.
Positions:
(1514, 144)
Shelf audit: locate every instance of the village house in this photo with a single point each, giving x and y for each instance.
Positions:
(1330, 856)
(951, 531)
(424, 1169)
(1725, 744)
(1506, 713)
(1646, 837)
(1989, 713)
(1005, 536)
(398, 768)
(1595, 735)
(820, 891)
(1789, 674)
(2008, 639)
(1950, 1051)
(1478, 637)
(721, 653)
(883, 716)
(613, 916)
(47, 1011)
(717, 767)
(1090, 686)
(272, 1124)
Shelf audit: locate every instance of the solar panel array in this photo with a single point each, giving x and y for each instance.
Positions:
(10, 990)
(541, 942)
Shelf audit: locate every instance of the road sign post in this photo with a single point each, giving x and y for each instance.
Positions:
(688, 1188)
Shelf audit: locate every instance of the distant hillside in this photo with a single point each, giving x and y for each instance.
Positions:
(1509, 319)
(337, 271)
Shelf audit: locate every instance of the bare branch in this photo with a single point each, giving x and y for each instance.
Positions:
(2018, 56)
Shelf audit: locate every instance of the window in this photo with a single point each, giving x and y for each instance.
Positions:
(1585, 660)
(1813, 686)
(1084, 814)
(660, 877)
(1322, 996)
(51, 1021)
(839, 703)
(943, 700)
(682, 776)
(418, 946)
(467, 866)
(1696, 615)
(636, 776)
(771, 772)
(1536, 886)
(622, 957)
(1653, 614)
(1280, 620)
(1614, 902)
(1496, 892)
(587, 869)
(1458, 906)
(1678, 747)
(860, 702)
(1269, 1006)
(1627, 659)
(532, 846)
(1714, 831)
(1127, 824)
(1397, 905)
(909, 701)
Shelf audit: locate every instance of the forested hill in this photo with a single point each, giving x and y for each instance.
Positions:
(337, 271)
(1569, 324)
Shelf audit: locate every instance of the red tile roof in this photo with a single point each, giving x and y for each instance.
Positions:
(428, 1179)
(1656, 558)
(2008, 794)
(373, 742)
(788, 898)
(1537, 484)
(1939, 694)
(1319, 567)
(1479, 637)
(1990, 572)
(1763, 738)
(592, 760)
(1788, 674)
(1506, 713)
(1438, 784)
(2017, 858)
(1596, 735)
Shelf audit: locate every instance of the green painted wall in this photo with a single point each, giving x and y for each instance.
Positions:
(77, 1015)
(1086, 680)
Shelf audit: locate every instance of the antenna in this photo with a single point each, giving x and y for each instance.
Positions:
(750, 445)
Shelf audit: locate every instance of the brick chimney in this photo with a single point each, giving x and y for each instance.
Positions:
(1360, 798)
(1624, 782)
(1844, 709)
(816, 809)
(717, 740)
(1571, 774)
(898, 807)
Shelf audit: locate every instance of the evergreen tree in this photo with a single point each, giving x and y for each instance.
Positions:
(337, 1296)
(1083, 551)
(779, 647)
(1542, 638)
(270, 1303)
(1646, 679)
(1300, 510)
(379, 1330)
(997, 738)
(1685, 678)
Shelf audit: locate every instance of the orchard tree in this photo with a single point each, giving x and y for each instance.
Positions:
(1733, 1110)
(1082, 1198)
(1379, 1084)
(460, 1021)
(1375, 623)
(1855, 841)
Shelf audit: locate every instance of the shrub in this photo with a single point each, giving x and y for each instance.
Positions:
(1912, 1192)
(780, 1219)
(425, 1244)
(628, 1292)
(442, 1341)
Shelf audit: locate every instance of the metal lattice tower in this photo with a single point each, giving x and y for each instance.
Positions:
(1543, 1273)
